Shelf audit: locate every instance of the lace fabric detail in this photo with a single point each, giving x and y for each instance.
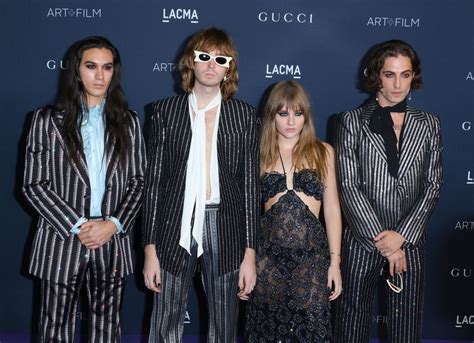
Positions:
(271, 184)
(290, 302)
(305, 180)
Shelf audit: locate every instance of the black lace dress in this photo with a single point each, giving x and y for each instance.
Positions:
(290, 302)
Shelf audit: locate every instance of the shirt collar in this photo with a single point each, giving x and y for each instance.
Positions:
(94, 113)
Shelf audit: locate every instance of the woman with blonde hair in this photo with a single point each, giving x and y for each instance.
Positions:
(298, 259)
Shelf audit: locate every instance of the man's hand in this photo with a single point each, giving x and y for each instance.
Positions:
(388, 241)
(151, 269)
(247, 274)
(397, 262)
(95, 233)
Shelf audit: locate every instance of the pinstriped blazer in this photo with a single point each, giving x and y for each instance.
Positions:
(59, 190)
(373, 200)
(237, 154)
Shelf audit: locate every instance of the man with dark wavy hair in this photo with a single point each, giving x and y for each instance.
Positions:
(202, 201)
(84, 175)
(390, 175)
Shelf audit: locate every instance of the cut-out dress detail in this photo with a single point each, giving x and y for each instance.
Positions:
(290, 302)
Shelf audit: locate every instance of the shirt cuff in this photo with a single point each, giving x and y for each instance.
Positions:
(76, 228)
(117, 223)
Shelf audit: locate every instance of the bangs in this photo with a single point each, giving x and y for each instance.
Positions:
(292, 98)
(219, 44)
(294, 105)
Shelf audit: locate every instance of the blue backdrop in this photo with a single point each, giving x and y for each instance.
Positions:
(320, 43)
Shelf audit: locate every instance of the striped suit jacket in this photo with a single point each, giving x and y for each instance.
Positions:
(237, 153)
(373, 200)
(59, 190)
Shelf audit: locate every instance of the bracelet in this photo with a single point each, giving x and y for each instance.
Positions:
(334, 253)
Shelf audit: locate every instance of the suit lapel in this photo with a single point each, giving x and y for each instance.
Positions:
(221, 125)
(81, 167)
(223, 129)
(112, 157)
(413, 137)
(375, 139)
(183, 119)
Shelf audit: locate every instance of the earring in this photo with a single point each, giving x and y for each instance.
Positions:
(225, 77)
(409, 96)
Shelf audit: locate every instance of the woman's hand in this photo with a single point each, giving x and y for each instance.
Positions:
(334, 281)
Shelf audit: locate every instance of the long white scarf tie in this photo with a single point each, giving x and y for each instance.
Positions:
(196, 179)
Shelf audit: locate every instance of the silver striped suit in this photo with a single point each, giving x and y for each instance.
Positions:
(373, 201)
(168, 150)
(234, 224)
(59, 190)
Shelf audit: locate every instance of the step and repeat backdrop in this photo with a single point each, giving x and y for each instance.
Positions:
(322, 44)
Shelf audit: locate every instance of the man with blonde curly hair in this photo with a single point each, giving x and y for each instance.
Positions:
(201, 203)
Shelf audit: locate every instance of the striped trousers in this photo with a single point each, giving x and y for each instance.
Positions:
(59, 306)
(169, 309)
(361, 271)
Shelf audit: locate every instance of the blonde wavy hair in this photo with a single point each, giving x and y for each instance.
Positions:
(206, 40)
(309, 152)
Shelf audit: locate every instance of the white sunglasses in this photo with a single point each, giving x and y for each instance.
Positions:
(204, 57)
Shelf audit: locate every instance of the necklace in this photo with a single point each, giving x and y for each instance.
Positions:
(397, 127)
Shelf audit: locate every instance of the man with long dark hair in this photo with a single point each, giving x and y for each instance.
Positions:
(84, 175)
(201, 197)
(390, 175)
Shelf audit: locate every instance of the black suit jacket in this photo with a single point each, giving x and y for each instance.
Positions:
(168, 150)
(59, 190)
(373, 200)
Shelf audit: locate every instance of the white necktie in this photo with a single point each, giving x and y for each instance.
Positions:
(196, 180)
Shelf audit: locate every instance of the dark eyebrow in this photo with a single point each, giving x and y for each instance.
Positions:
(405, 71)
(105, 64)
